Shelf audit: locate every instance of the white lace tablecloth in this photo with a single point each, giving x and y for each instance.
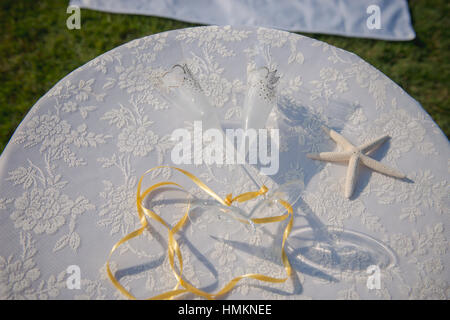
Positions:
(68, 177)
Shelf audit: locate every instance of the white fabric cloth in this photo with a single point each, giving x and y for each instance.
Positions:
(68, 177)
(340, 17)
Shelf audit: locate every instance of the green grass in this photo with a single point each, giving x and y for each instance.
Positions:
(37, 50)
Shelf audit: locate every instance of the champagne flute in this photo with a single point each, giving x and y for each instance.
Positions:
(180, 88)
(321, 247)
(261, 98)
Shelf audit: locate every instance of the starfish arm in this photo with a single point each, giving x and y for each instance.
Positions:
(330, 156)
(350, 180)
(373, 145)
(381, 168)
(339, 139)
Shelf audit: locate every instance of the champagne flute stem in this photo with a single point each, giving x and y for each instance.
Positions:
(244, 166)
(255, 180)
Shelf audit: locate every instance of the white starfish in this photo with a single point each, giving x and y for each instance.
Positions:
(354, 155)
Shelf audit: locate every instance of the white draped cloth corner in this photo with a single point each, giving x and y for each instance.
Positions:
(341, 17)
(68, 177)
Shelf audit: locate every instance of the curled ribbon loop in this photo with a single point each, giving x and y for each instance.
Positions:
(173, 249)
(245, 196)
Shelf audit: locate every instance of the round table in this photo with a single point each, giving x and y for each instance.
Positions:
(69, 177)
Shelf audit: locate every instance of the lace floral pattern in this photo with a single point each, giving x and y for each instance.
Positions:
(69, 177)
(41, 210)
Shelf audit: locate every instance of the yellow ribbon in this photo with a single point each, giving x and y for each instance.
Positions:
(174, 249)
